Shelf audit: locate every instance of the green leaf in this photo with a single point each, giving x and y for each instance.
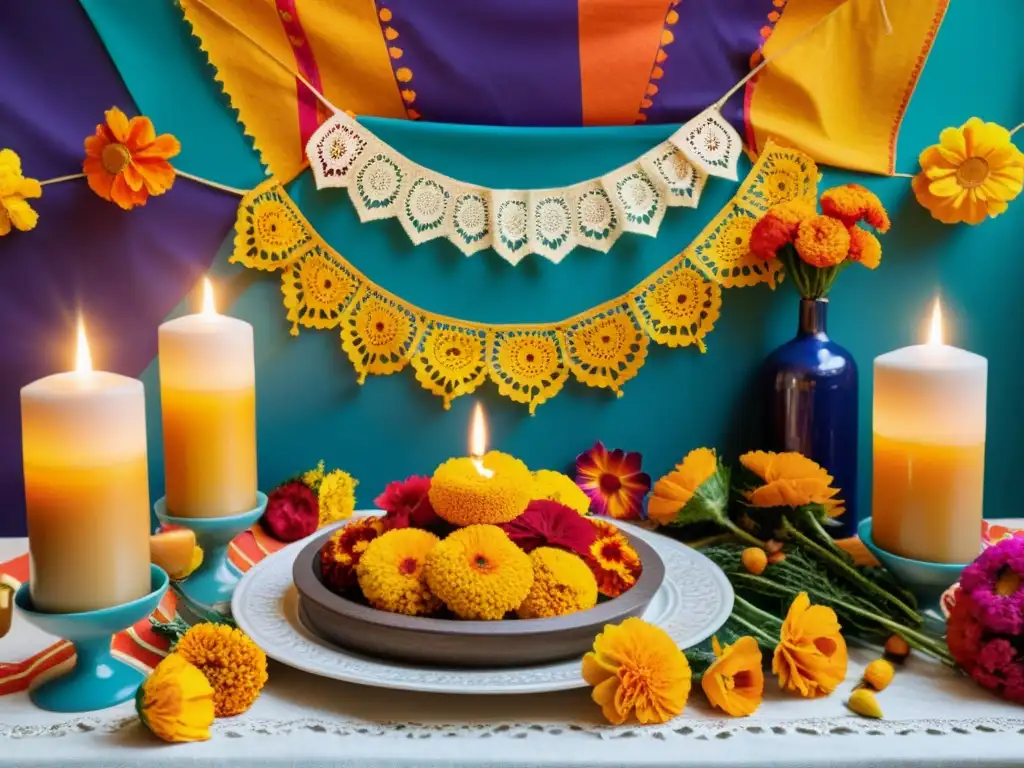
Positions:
(708, 503)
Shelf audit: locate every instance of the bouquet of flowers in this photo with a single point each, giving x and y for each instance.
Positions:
(815, 247)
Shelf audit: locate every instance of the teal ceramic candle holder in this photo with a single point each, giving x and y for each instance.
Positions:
(213, 583)
(926, 580)
(98, 680)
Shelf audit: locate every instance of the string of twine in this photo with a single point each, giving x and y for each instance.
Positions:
(177, 172)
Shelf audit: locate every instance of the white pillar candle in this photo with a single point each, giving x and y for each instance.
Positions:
(208, 400)
(929, 450)
(86, 488)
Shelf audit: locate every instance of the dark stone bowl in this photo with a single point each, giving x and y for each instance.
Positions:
(457, 643)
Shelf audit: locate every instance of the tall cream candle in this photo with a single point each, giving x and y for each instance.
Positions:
(86, 488)
(929, 450)
(208, 399)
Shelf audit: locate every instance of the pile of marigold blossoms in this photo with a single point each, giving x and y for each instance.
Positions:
(481, 543)
(213, 671)
(814, 247)
(637, 671)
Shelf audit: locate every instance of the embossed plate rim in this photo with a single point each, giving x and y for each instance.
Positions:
(269, 615)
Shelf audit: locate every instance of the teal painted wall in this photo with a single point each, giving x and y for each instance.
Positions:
(310, 405)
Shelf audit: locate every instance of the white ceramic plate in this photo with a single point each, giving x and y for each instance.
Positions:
(694, 602)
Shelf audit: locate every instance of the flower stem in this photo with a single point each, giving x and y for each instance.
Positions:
(755, 630)
(742, 535)
(839, 564)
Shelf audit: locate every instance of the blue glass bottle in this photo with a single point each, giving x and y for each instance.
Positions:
(812, 394)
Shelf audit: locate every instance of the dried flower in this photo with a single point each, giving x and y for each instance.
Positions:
(863, 702)
(822, 241)
(550, 524)
(15, 190)
(407, 503)
(126, 161)
(613, 481)
(811, 658)
(176, 701)
(460, 494)
(293, 512)
(755, 560)
(340, 556)
(735, 681)
(392, 572)
(479, 573)
(232, 663)
(851, 203)
(636, 668)
(562, 584)
(879, 674)
(554, 486)
(336, 497)
(973, 172)
(615, 563)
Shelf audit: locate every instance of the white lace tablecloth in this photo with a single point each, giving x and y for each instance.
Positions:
(933, 718)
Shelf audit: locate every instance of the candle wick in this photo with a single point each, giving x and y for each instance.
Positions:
(478, 463)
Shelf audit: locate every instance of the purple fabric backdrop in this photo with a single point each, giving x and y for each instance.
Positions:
(123, 270)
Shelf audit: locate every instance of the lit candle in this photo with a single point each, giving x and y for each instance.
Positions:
(86, 488)
(929, 450)
(208, 398)
(478, 441)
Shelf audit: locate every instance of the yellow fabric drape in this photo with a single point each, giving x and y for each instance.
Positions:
(347, 45)
(840, 94)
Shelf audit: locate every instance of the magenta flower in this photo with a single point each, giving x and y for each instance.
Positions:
(993, 582)
(613, 481)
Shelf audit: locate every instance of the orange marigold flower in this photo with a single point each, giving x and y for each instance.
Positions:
(865, 248)
(791, 213)
(735, 682)
(636, 668)
(811, 658)
(615, 564)
(822, 241)
(234, 665)
(674, 490)
(126, 161)
(767, 236)
(342, 552)
(851, 203)
(790, 480)
(392, 575)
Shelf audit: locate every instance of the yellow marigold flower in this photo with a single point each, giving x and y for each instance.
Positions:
(554, 486)
(562, 583)
(15, 189)
(462, 496)
(865, 248)
(822, 241)
(636, 668)
(755, 560)
(391, 572)
(313, 476)
(176, 701)
(674, 490)
(811, 658)
(479, 573)
(863, 702)
(234, 665)
(735, 682)
(851, 203)
(336, 496)
(973, 172)
(790, 480)
(878, 674)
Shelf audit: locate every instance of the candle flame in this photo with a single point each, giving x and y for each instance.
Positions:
(478, 441)
(935, 328)
(83, 360)
(208, 306)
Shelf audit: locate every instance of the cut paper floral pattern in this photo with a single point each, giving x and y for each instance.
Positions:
(604, 347)
(383, 183)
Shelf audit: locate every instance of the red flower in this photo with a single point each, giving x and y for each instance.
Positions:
(407, 503)
(293, 512)
(550, 524)
(963, 632)
(615, 564)
(613, 481)
(342, 552)
(768, 235)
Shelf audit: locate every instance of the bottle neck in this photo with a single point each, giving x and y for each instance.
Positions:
(813, 318)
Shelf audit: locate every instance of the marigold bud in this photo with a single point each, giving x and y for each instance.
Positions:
(879, 674)
(863, 702)
(772, 546)
(754, 560)
(776, 557)
(896, 649)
